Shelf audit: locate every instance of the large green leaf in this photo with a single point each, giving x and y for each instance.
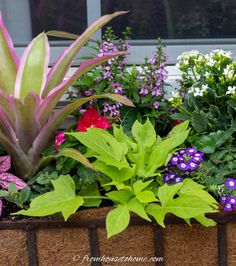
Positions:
(76, 155)
(161, 151)
(116, 175)
(144, 134)
(117, 220)
(104, 146)
(63, 199)
(31, 76)
(137, 207)
(199, 121)
(184, 202)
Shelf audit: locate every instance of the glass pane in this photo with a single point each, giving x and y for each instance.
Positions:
(27, 18)
(62, 15)
(175, 19)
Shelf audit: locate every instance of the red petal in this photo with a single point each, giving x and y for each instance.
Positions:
(83, 125)
(176, 122)
(102, 123)
(91, 116)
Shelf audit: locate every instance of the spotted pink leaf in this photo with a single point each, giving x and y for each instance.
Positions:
(5, 163)
(1, 207)
(7, 178)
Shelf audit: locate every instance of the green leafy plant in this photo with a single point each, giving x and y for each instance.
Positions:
(131, 176)
(207, 97)
(144, 84)
(29, 95)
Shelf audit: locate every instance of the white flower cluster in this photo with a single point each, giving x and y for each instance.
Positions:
(196, 91)
(231, 90)
(184, 58)
(220, 52)
(175, 95)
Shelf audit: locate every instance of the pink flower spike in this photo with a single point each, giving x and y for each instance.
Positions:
(60, 138)
(5, 163)
(7, 178)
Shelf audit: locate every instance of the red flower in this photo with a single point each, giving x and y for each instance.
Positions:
(60, 138)
(176, 122)
(91, 118)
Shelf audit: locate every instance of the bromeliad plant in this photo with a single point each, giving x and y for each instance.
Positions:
(131, 176)
(29, 95)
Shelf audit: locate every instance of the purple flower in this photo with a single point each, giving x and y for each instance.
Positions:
(231, 200)
(191, 151)
(172, 175)
(230, 183)
(183, 166)
(143, 91)
(227, 207)
(199, 154)
(174, 160)
(181, 152)
(156, 105)
(196, 159)
(223, 199)
(166, 179)
(193, 165)
(178, 179)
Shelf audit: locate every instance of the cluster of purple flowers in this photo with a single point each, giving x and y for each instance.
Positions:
(182, 162)
(229, 201)
(112, 109)
(153, 77)
(107, 47)
(107, 73)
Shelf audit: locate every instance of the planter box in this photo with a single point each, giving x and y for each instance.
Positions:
(48, 242)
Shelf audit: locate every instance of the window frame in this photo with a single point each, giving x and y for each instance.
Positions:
(139, 49)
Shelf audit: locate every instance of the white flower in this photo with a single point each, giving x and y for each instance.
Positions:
(198, 91)
(231, 90)
(211, 62)
(206, 74)
(204, 87)
(175, 94)
(229, 73)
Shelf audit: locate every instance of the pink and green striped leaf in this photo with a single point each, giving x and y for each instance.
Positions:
(7, 103)
(65, 60)
(9, 61)
(64, 34)
(28, 125)
(32, 73)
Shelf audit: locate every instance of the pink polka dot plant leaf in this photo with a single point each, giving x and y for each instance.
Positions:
(5, 163)
(7, 178)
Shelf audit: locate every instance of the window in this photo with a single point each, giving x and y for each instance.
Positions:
(183, 25)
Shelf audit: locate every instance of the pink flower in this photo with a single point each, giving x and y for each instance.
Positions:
(91, 118)
(60, 138)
